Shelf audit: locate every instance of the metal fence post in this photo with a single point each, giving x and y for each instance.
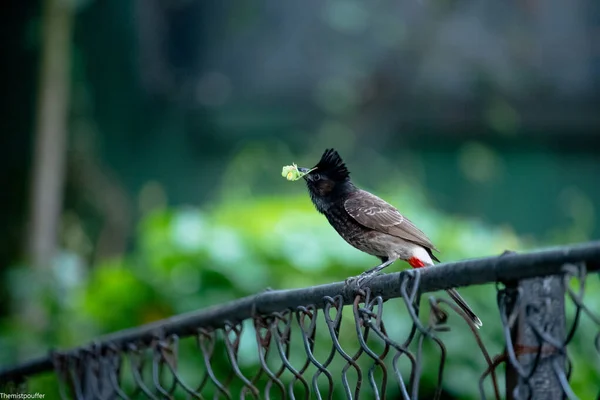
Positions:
(542, 302)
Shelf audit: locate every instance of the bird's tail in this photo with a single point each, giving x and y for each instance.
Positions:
(465, 307)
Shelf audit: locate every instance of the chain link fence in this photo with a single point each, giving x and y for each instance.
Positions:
(337, 341)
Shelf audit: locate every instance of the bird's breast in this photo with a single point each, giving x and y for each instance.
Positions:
(352, 232)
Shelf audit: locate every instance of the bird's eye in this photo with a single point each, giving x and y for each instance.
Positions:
(316, 177)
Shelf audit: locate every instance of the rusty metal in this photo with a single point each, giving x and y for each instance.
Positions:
(290, 344)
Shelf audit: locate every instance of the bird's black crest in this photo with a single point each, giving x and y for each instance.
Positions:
(332, 164)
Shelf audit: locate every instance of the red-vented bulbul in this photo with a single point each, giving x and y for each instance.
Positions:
(369, 223)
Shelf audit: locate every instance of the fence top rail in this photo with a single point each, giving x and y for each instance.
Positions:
(505, 268)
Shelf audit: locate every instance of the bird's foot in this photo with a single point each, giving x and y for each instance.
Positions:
(365, 277)
(360, 280)
(351, 281)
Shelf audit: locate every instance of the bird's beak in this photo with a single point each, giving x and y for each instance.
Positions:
(304, 171)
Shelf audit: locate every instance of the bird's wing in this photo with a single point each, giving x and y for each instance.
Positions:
(374, 213)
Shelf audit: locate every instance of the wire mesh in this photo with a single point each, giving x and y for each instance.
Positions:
(334, 348)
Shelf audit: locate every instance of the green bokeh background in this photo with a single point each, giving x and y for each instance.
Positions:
(182, 114)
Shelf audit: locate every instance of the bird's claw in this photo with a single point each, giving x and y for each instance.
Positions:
(352, 281)
(358, 281)
(365, 277)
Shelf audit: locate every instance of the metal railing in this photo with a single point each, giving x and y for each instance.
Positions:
(332, 341)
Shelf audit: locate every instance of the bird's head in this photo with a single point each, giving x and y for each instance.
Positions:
(328, 177)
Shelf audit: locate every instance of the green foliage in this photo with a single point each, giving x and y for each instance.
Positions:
(187, 259)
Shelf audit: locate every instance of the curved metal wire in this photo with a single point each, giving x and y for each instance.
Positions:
(304, 352)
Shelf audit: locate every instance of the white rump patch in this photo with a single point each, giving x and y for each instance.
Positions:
(420, 253)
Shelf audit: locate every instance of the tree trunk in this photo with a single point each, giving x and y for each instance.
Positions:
(48, 169)
(50, 131)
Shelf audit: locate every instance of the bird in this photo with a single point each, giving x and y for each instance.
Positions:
(369, 223)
